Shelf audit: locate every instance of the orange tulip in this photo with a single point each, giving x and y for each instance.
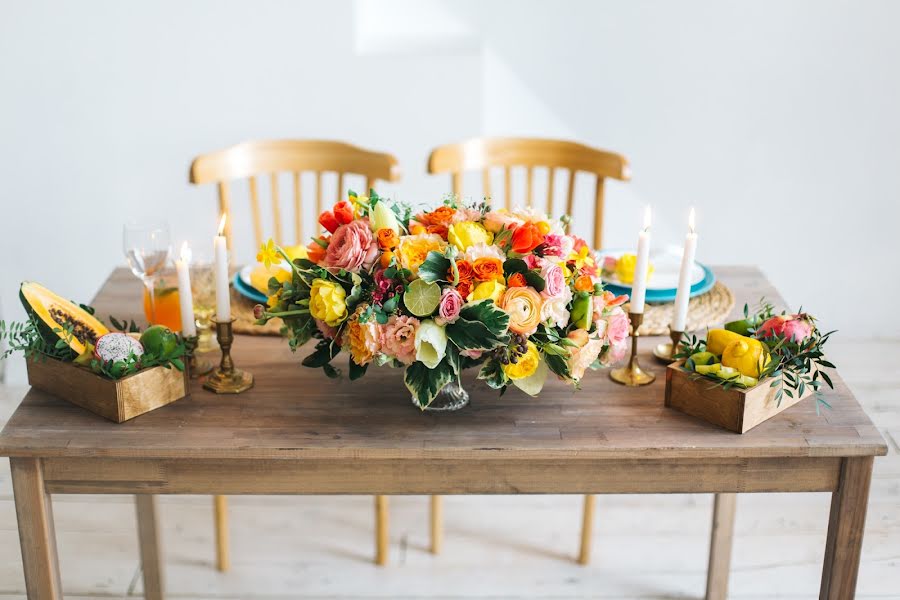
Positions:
(526, 237)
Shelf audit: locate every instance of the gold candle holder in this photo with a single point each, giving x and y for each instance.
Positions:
(196, 367)
(226, 379)
(666, 352)
(632, 374)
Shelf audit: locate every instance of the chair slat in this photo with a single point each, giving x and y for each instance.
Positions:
(276, 209)
(550, 174)
(318, 196)
(507, 184)
(369, 184)
(529, 177)
(254, 208)
(598, 215)
(225, 209)
(457, 185)
(486, 183)
(298, 209)
(340, 187)
(570, 197)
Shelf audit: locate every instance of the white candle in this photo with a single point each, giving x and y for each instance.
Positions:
(683, 295)
(223, 297)
(185, 296)
(642, 265)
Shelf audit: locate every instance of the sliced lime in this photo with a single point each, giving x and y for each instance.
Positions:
(708, 369)
(422, 298)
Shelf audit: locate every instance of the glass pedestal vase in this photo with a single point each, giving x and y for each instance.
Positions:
(451, 397)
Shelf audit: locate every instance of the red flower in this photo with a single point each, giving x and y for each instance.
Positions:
(343, 212)
(315, 251)
(328, 221)
(526, 237)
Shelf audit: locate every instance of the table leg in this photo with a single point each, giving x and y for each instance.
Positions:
(36, 535)
(381, 530)
(846, 522)
(437, 523)
(587, 529)
(148, 538)
(223, 553)
(720, 546)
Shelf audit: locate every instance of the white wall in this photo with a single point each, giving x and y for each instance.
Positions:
(778, 121)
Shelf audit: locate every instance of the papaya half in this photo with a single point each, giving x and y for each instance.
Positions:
(53, 313)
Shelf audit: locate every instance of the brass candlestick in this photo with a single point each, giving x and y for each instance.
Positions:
(226, 379)
(633, 374)
(666, 352)
(196, 367)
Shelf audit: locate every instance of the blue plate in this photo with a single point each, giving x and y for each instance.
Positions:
(250, 292)
(703, 286)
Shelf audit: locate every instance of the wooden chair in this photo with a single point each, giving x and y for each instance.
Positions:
(484, 154)
(251, 160)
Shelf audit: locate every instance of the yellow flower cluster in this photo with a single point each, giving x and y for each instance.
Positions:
(413, 249)
(526, 365)
(327, 302)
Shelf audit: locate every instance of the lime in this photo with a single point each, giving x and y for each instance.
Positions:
(728, 373)
(159, 340)
(708, 369)
(422, 298)
(703, 358)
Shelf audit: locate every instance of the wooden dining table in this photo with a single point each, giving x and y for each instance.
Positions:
(298, 432)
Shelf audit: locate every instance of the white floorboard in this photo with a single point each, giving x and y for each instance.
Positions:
(495, 546)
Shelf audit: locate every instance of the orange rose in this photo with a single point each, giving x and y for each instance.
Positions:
(524, 307)
(584, 284)
(387, 238)
(466, 273)
(440, 216)
(516, 280)
(526, 237)
(464, 288)
(441, 230)
(487, 268)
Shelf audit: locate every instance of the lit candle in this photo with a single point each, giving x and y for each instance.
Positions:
(683, 295)
(642, 265)
(223, 297)
(185, 297)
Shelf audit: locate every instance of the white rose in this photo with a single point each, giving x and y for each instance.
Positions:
(555, 308)
(431, 343)
(482, 250)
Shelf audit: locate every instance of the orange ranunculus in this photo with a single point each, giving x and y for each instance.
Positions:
(524, 307)
(466, 272)
(387, 238)
(440, 216)
(526, 237)
(464, 288)
(584, 283)
(386, 257)
(441, 230)
(488, 268)
(516, 280)
(315, 251)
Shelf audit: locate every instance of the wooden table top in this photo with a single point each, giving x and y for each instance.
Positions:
(296, 412)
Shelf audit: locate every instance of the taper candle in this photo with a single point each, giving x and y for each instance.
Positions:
(185, 296)
(223, 296)
(683, 295)
(642, 265)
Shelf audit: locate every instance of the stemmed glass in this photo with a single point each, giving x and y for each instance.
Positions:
(147, 245)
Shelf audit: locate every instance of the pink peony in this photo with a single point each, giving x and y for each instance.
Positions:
(554, 280)
(327, 330)
(617, 326)
(791, 327)
(352, 246)
(532, 261)
(451, 303)
(398, 338)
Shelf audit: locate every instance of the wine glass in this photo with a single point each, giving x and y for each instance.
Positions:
(147, 246)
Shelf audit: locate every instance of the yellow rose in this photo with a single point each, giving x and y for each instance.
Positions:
(413, 249)
(526, 365)
(327, 302)
(487, 290)
(467, 233)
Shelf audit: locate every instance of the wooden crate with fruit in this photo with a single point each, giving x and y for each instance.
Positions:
(750, 371)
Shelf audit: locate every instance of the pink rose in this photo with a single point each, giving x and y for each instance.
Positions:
(617, 326)
(352, 246)
(451, 303)
(554, 280)
(614, 354)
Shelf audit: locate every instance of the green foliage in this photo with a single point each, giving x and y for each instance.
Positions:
(425, 383)
(480, 326)
(436, 268)
(25, 337)
(492, 374)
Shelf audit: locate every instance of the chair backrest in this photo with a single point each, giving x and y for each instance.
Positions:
(253, 159)
(486, 153)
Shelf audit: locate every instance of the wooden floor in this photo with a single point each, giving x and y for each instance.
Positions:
(494, 547)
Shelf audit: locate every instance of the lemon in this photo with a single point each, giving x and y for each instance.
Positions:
(422, 298)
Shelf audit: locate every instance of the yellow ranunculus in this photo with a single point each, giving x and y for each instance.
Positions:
(526, 365)
(327, 302)
(625, 267)
(467, 233)
(413, 249)
(487, 289)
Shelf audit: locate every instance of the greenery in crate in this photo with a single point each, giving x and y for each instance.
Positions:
(790, 353)
(61, 330)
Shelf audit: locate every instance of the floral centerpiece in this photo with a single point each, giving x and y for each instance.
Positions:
(439, 291)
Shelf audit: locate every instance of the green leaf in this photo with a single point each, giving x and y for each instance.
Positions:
(425, 383)
(558, 365)
(480, 326)
(435, 267)
(356, 371)
(492, 374)
(322, 355)
(535, 280)
(514, 265)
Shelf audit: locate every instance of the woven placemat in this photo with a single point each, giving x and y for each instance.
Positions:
(704, 310)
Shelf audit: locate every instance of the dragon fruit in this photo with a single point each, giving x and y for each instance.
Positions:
(792, 327)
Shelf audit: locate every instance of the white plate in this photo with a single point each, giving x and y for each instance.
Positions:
(666, 268)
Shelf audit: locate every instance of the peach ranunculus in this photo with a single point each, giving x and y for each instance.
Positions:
(352, 246)
(413, 249)
(398, 338)
(387, 238)
(582, 357)
(524, 307)
(363, 340)
(487, 269)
